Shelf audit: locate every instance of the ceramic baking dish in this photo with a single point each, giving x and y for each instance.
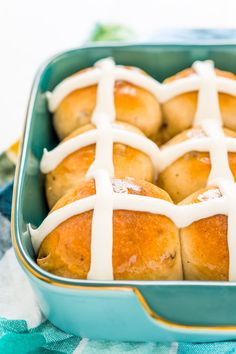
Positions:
(115, 310)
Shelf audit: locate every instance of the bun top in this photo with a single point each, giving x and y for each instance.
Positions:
(145, 246)
(190, 71)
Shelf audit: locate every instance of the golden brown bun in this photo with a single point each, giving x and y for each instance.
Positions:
(128, 162)
(145, 246)
(190, 172)
(179, 112)
(133, 105)
(204, 245)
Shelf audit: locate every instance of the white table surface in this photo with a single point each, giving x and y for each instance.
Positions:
(31, 31)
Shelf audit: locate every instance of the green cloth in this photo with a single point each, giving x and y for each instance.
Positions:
(112, 32)
(17, 339)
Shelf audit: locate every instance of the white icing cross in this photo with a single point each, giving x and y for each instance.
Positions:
(208, 116)
(52, 159)
(107, 200)
(160, 158)
(207, 109)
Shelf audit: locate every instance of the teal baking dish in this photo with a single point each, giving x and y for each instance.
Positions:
(115, 310)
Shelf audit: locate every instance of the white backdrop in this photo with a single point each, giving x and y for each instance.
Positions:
(33, 30)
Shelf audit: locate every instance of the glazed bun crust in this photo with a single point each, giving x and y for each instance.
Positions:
(128, 162)
(133, 105)
(204, 245)
(179, 112)
(191, 171)
(145, 246)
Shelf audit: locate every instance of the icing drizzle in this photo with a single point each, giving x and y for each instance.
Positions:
(208, 117)
(101, 243)
(163, 92)
(53, 158)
